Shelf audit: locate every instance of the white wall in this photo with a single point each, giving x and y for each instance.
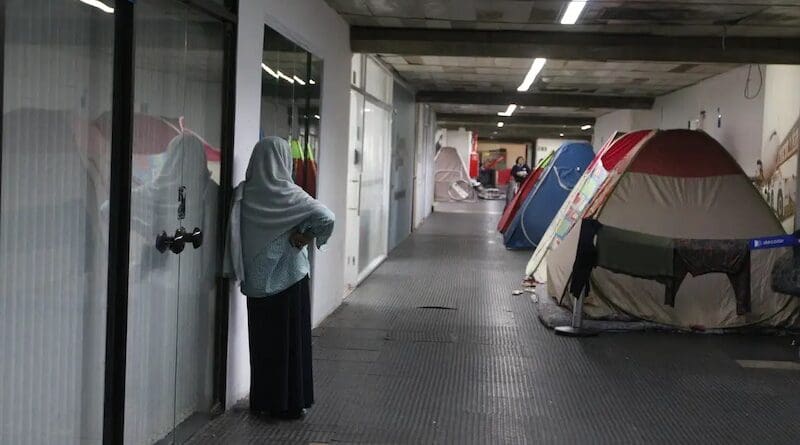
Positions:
(778, 148)
(424, 163)
(741, 128)
(461, 140)
(610, 123)
(781, 109)
(326, 35)
(545, 146)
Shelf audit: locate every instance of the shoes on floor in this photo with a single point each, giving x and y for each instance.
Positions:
(292, 414)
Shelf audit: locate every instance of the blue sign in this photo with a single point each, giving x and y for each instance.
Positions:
(774, 242)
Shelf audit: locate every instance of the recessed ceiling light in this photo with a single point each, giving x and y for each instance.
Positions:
(536, 67)
(500, 124)
(561, 134)
(586, 127)
(572, 13)
(509, 111)
(285, 77)
(312, 81)
(99, 5)
(269, 71)
(316, 116)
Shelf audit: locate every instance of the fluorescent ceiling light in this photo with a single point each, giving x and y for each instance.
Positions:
(99, 5)
(509, 111)
(561, 134)
(586, 127)
(572, 13)
(298, 80)
(536, 67)
(312, 81)
(285, 77)
(269, 71)
(316, 116)
(500, 124)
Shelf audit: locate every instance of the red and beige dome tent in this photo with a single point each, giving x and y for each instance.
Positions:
(677, 185)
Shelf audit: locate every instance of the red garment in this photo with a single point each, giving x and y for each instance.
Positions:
(310, 185)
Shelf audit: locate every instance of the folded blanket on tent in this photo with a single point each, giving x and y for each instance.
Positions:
(658, 258)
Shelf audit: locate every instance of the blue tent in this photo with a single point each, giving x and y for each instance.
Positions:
(547, 196)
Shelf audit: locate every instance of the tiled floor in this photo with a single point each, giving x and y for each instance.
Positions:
(434, 348)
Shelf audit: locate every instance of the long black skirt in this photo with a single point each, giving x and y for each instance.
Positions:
(280, 350)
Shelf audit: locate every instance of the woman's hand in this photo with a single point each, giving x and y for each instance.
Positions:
(300, 240)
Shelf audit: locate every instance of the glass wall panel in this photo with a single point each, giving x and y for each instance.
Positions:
(378, 81)
(53, 234)
(374, 221)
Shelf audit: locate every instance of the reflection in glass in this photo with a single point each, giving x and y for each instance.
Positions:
(53, 241)
(177, 126)
(290, 102)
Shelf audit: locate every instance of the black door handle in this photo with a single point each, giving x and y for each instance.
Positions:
(178, 242)
(174, 243)
(196, 237)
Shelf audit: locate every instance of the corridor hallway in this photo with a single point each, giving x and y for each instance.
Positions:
(434, 348)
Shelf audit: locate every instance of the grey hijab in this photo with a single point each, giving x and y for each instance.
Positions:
(272, 204)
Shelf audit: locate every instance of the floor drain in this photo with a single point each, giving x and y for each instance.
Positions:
(441, 308)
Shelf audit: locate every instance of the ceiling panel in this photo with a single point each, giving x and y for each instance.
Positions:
(505, 74)
(692, 17)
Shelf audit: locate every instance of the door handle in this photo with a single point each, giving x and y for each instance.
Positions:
(196, 238)
(174, 243)
(177, 243)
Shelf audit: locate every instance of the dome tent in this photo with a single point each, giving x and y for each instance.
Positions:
(524, 190)
(451, 179)
(548, 194)
(581, 195)
(676, 184)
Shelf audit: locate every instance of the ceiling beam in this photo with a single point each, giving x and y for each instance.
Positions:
(523, 140)
(536, 99)
(521, 133)
(574, 45)
(521, 120)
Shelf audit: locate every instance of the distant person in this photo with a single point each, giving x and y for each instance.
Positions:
(520, 170)
(486, 174)
(277, 220)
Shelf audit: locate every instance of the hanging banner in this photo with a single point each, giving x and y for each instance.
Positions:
(774, 242)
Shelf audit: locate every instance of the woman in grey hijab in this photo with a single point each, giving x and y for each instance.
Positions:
(272, 222)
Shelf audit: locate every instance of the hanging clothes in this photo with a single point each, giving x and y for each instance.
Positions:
(310, 172)
(662, 259)
(639, 255)
(585, 258)
(298, 163)
(702, 256)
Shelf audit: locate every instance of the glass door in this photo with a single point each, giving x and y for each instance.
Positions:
(355, 151)
(374, 199)
(172, 287)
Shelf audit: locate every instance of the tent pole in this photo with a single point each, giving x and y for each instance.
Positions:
(577, 329)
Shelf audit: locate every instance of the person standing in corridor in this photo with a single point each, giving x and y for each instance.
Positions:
(520, 170)
(272, 223)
